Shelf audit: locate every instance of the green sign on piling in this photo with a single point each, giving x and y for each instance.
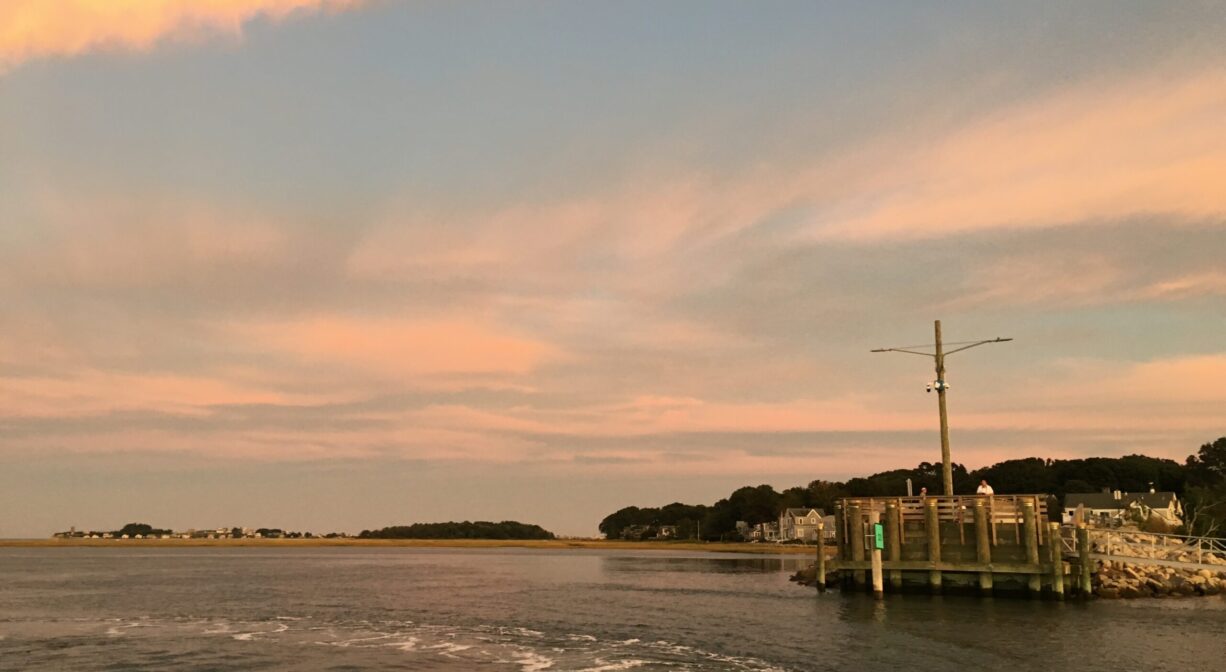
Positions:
(879, 536)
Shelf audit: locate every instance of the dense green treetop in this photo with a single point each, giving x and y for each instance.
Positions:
(507, 529)
(1031, 475)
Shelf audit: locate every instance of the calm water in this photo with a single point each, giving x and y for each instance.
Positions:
(524, 610)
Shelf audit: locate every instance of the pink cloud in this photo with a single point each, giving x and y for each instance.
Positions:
(1151, 144)
(401, 347)
(39, 28)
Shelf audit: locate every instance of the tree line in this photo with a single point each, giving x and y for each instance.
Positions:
(507, 529)
(1200, 482)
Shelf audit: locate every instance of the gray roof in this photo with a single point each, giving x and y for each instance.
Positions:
(1107, 500)
(803, 511)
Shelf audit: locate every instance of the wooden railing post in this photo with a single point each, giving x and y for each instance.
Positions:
(1083, 555)
(1031, 538)
(932, 526)
(983, 545)
(821, 558)
(857, 542)
(1057, 559)
(893, 540)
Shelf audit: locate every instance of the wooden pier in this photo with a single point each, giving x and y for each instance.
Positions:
(988, 543)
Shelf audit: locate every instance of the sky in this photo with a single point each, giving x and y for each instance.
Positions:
(335, 265)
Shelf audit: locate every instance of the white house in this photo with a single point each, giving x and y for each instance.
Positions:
(1110, 506)
(800, 524)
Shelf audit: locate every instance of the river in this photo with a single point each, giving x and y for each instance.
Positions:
(532, 610)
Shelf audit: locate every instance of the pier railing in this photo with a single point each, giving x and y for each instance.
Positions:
(1172, 550)
(955, 540)
(1001, 509)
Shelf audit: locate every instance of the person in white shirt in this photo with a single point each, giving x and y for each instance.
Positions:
(985, 489)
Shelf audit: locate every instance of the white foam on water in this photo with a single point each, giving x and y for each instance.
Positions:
(409, 644)
(603, 666)
(531, 661)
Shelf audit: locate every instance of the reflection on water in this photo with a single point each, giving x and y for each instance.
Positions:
(535, 610)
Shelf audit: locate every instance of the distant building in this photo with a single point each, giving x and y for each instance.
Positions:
(636, 532)
(765, 532)
(666, 532)
(800, 524)
(1112, 506)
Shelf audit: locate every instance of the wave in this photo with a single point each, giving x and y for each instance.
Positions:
(519, 649)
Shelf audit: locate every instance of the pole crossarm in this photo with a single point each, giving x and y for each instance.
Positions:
(973, 344)
(909, 352)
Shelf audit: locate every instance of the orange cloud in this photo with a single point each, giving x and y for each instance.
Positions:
(37, 28)
(390, 347)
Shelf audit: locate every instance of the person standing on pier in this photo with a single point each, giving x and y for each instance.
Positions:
(984, 488)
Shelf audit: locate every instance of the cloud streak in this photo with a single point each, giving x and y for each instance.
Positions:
(31, 29)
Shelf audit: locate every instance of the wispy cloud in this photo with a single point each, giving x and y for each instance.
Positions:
(1150, 144)
(38, 28)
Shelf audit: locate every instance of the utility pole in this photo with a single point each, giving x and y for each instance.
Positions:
(947, 474)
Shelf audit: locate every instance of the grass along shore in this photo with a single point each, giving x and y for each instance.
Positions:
(556, 544)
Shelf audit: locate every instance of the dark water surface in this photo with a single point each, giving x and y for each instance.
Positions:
(531, 610)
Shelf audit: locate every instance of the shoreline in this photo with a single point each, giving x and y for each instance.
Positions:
(554, 544)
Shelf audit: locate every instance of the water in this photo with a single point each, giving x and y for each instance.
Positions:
(533, 610)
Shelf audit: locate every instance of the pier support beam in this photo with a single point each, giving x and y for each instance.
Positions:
(983, 545)
(821, 558)
(893, 542)
(1030, 539)
(874, 518)
(857, 542)
(932, 525)
(1086, 587)
(1057, 560)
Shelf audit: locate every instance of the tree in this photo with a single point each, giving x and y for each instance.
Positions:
(1208, 466)
(1205, 501)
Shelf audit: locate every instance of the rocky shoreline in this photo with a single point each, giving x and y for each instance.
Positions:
(1114, 579)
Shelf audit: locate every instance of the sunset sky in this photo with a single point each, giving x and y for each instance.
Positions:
(335, 265)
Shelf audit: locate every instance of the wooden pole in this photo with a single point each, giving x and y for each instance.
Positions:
(893, 540)
(1083, 555)
(983, 545)
(857, 542)
(1031, 539)
(932, 525)
(1057, 559)
(821, 558)
(878, 583)
(947, 474)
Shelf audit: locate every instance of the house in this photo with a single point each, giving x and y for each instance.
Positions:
(800, 524)
(1111, 507)
(764, 532)
(636, 532)
(666, 532)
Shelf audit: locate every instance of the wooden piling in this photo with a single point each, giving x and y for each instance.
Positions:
(874, 518)
(893, 540)
(1083, 554)
(983, 545)
(821, 558)
(1031, 538)
(857, 542)
(932, 525)
(1057, 559)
